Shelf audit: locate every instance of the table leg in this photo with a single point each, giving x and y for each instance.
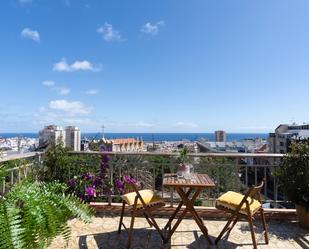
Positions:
(176, 211)
(181, 217)
(190, 207)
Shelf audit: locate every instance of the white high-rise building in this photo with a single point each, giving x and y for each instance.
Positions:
(51, 134)
(72, 137)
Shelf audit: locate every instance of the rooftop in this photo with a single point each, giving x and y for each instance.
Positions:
(124, 140)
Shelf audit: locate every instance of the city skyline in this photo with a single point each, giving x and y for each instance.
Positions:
(153, 67)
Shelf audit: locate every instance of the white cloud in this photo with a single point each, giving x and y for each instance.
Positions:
(92, 92)
(63, 90)
(50, 117)
(63, 66)
(64, 112)
(31, 34)
(79, 121)
(42, 109)
(82, 65)
(152, 29)
(109, 33)
(72, 108)
(48, 83)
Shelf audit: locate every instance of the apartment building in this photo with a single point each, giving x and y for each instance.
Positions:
(52, 134)
(72, 138)
(280, 140)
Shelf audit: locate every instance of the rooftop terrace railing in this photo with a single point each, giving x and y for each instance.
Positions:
(230, 171)
(16, 167)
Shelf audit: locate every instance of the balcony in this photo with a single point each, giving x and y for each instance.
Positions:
(241, 169)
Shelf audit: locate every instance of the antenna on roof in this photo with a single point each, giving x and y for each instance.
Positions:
(103, 131)
(153, 142)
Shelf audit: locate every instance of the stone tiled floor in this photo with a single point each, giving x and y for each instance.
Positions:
(102, 233)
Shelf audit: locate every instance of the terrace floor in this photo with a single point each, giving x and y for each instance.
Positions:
(102, 233)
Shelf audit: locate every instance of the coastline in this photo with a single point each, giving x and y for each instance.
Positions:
(148, 137)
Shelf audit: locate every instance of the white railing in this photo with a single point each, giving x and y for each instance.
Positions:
(14, 168)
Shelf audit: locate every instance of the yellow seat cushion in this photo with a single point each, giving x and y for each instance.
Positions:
(147, 195)
(231, 200)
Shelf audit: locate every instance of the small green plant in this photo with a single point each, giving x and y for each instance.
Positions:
(183, 157)
(32, 214)
(198, 202)
(56, 160)
(293, 173)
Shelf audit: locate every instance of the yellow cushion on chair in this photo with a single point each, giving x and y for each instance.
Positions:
(231, 200)
(147, 195)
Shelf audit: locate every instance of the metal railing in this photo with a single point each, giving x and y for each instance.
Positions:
(14, 168)
(230, 171)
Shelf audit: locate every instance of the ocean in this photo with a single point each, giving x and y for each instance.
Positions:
(155, 136)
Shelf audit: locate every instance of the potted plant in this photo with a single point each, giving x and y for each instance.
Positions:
(32, 214)
(293, 176)
(184, 166)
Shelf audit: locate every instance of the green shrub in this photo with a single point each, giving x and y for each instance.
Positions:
(293, 174)
(56, 160)
(33, 213)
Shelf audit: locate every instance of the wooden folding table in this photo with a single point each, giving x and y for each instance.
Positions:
(184, 187)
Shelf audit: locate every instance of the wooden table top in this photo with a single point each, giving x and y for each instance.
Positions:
(197, 180)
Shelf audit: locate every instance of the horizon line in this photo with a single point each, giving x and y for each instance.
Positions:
(227, 132)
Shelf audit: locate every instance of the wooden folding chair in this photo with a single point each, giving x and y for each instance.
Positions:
(140, 202)
(242, 206)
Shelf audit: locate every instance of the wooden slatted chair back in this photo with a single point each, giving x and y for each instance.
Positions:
(255, 192)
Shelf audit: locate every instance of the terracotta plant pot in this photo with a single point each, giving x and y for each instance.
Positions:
(303, 216)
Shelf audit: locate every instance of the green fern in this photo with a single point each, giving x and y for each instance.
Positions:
(34, 213)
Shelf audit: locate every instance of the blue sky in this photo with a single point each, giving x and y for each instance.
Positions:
(154, 66)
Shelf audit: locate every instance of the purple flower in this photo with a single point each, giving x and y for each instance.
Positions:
(89, 185)
(128, 179)
(71, 183)
(97, 182)
(80, 195)
(104, 165)
(119, 184)
(87, 176)
(90, 191)
(105, 159)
